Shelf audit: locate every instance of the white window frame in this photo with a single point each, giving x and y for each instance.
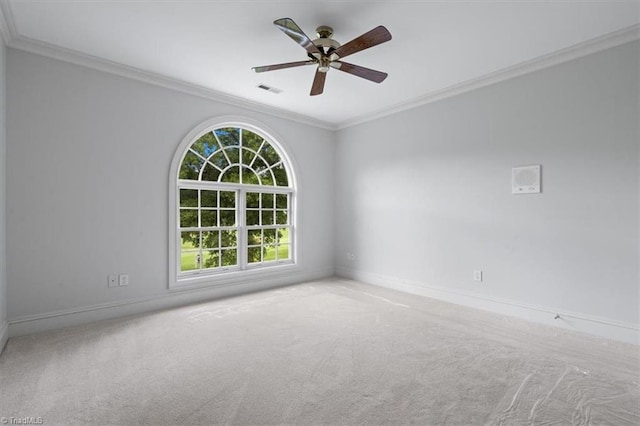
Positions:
(243, 271)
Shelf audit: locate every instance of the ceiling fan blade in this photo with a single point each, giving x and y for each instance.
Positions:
(369, 74)
(318, 83)
(291, 29)
(282, 66)
(369, 39)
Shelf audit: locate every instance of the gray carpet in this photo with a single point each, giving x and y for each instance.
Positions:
(327, 352)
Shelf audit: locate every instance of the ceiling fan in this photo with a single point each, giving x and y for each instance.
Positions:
(327, 52)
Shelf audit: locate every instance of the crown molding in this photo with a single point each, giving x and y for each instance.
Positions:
(607, 41)
(71, 56)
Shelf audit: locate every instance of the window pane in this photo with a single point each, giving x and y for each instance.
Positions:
(283, 252)
(233, 154)
(188, 198)
(231, 175)
(251, 140)
(247, 155)
(227, 199)
(210, 239)
(259, 165)
(228, 136)
(267, 217)
(281, 217)
(227, 217)
(208, 198)
(249, 177)
(269, 253)
(281, 176)
(206, 145)
(282, 249)
(269, 154)
(189, 261)
(229, 258)
(228, 239)
(219, 160)
(210, 173)
(189, 253)
(267, 201)
(282, 201)
(253, 200)
(254, 254)
(211, 259)
(188, 218)
(208, 218)
(269, 236)
(190, 167)
(283, 235)
(190, 240)
(266, 177)
(253, 217)
(254, 237)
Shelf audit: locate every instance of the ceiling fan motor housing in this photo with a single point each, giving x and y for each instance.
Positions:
(325, 39)
(324, 31)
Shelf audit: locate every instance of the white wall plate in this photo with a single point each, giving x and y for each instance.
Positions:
(525, 180)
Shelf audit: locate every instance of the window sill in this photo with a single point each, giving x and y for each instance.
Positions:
(221, 279)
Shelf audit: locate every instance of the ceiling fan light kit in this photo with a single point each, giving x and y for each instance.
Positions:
(326, 53)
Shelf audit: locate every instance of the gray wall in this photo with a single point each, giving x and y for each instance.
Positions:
(424, 196)
(420, 197)
(88, 181)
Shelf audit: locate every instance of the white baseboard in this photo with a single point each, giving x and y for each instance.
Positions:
(602, 327)
(4, 335)
(31, 324)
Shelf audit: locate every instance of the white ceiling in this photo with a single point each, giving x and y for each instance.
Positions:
(436, 45)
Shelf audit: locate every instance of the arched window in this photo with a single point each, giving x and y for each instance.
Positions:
(234, 199)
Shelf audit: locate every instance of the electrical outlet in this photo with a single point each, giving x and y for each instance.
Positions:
(123, 279)
(477, 276)
(112, 281)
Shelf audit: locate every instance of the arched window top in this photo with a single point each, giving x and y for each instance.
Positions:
(234, 155)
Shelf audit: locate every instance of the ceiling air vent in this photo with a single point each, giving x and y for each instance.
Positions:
(269, 88)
